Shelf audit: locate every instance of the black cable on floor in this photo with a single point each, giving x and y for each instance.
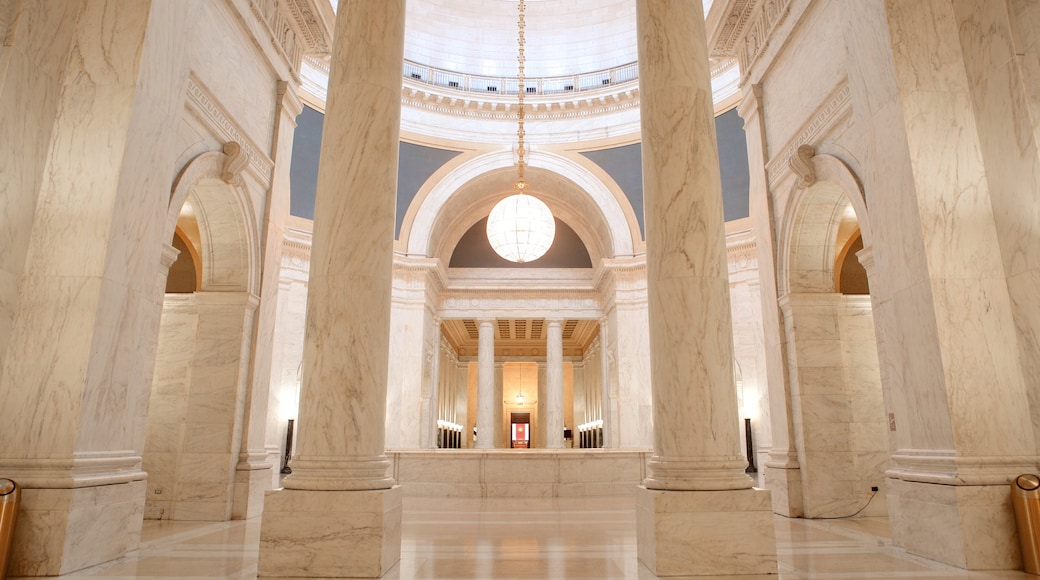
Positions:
(859, 511)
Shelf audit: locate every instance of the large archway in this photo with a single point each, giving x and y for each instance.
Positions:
(199, 390)
(837, 402)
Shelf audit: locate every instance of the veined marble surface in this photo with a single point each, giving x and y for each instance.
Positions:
(532, 538)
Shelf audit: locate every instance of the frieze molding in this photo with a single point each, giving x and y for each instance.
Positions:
(202, 103)
(732, 27)
(466, 105)
(758, 32)
(294, 28)
(836, 107)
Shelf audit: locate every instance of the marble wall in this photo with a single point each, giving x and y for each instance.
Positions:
(929, 107)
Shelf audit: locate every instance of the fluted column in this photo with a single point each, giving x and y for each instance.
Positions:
(340, 449)
(696, 437)
(486, 384)
(554, 384)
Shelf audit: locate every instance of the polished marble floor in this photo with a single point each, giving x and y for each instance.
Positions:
(528, 538)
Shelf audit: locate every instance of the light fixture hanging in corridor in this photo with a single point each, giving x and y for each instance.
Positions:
(521, 227)
(520, 391)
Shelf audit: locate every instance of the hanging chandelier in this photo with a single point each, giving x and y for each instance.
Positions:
(521, 227)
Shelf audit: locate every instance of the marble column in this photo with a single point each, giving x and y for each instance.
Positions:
(486, 384)
(501, 437)
(604, 387)
(434, 409)
(554, 384)
(579, 399)
(781, 472)
(339, 514)
(695, 479)
(461, 370)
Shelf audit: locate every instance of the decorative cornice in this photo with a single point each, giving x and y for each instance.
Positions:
(834, 108)
(758, 32)
(732, 27)
(472, 106)
(206, 108)
(314, 28)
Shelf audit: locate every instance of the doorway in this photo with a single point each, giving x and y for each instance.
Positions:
(520, 428)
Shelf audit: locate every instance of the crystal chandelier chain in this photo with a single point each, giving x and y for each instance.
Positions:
(521, 90)
(521, 228)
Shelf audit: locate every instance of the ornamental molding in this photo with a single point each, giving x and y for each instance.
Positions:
(469, 105)
(836, 107)
(521, 303)
(206, 108)
(732, 27)
(759, 30)
(315, 31)
(295, 28)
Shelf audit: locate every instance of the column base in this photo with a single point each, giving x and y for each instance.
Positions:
(968, 526)
(705, 533)
(330, 534)
(54, 524)
(785, 485)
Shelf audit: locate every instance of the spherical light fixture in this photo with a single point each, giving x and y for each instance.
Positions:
(521, 227)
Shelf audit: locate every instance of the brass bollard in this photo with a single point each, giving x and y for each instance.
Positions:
(1025, 496)
(10, 497)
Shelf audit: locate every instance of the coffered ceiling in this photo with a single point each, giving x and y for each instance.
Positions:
(520, 337)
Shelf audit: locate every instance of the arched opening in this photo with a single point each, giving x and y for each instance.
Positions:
(850, 277)
(194, 425)
(186, 271)
(836, 397)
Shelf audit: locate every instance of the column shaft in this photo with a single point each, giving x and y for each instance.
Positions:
(435, 383)
(486, 385)
(554, 384)
(696, 440)
(339, 483)
(343, 398)
(603, 412)
(697, 454)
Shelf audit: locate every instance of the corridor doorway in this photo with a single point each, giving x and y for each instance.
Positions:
(520, 428)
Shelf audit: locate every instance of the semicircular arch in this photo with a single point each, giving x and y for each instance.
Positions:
(466, 194)
(815, 218)
(230, 248)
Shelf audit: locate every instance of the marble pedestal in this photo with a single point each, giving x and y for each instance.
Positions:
(330, 534)
(64, 530)
(968, 526)
(705, 533)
